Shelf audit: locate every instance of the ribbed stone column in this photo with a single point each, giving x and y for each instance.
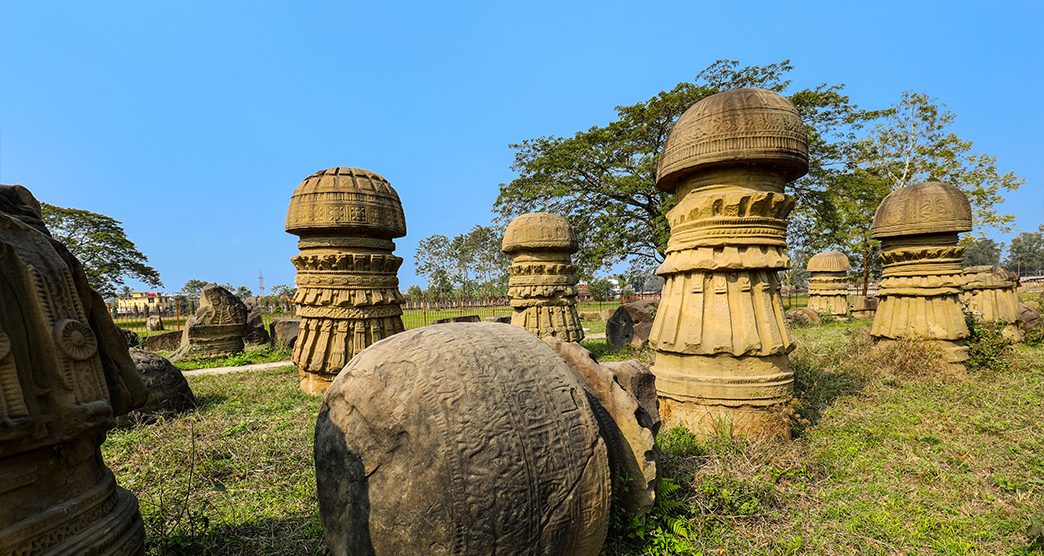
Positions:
(542, 282)
(991, 294)
(347, 284)
(921, 282)
(720, 336)
(828, 283)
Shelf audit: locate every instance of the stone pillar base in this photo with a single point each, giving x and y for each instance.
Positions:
(315, 384)
(708, 392)
(706, 420)
(951, 352)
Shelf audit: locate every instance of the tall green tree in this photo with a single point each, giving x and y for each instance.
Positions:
(915, 142)
(603, 179)
(433, 260)
(1026, 253)
(910, 142)
(981, 251)
(101, 245)
(194, 287)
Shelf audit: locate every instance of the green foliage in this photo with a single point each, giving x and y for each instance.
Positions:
(470, 264)
(914, 142)
(981, 251)
(603, 178)
(600, 289)
(101, 245)
(194, 287)
(1026, 253)
(987, 347)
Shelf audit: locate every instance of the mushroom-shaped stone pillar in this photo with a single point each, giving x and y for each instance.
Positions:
(542, 283)
(347, 287)
(720, 336)
(828, 283)
(921, 282)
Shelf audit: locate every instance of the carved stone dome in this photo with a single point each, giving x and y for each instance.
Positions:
(741, 126)
(931, 207)
(348, 200)
(539, 231)
(828, 261)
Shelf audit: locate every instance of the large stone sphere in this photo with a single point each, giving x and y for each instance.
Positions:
(539, 231)
(462, 438)
(350, 201)
(931, 207)
(741, 126)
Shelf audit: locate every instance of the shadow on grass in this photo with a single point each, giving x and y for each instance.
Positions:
(207, 401)
(817, 387)
(288, 536)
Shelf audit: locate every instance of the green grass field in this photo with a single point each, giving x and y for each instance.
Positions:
(891, 455)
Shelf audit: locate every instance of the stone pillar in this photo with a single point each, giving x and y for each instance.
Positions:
(347, 284)
(921, 282)
(828, 283)
(542, 285)
(65, 374)
(991, 294)
(720, 337)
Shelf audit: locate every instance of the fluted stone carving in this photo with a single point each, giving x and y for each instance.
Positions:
(720, 336)
(65, 374)
(828, 283)
(347, 284)
(990, 293)
(542, 283)
(217, 329)
(921, 282)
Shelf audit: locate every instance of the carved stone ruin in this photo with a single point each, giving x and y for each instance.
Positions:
(921, 282)
(828, 283)
(65, 374)
(217, 329)
(542, 282)
(461, 438)
(720, 336)
(864, 307)
(347, 286)
(630, 325)
(169, 392)
(991, 294)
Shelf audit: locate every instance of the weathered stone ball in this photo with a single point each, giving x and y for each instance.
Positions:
(350, 201)
(931, 207)
(828, 261)
(741, 126)
(461, 438)
(539, 231)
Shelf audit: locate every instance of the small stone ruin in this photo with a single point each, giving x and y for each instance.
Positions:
(991, 294)
(720, 334)
(828, 283)
(863, 307)
(65, 375)
(479, 438)
(921, 282)
(169, 392)
(630, 325)
(542, 282)
(347, 284)
(217, 329)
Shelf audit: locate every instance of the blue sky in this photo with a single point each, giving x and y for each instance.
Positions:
(192, 122)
